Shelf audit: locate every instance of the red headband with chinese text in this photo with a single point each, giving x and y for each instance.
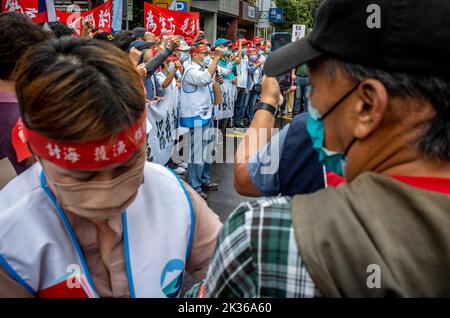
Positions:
(200, 49)
(93, 154)
(171, 58)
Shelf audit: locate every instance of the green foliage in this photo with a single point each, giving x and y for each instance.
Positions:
(297, 12)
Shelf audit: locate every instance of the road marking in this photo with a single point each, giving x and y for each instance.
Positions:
(234, 136)
(286, 117)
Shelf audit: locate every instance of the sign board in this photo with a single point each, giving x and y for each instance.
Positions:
(298, 32)
(264, 7)
(129, 10)
(276, 15)
(251, 12)
(181, 5)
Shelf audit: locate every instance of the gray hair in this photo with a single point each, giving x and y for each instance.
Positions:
(435, 141)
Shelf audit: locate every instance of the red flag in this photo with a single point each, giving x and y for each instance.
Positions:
(159, 20)
(29, 7)
(19, 143)
(100, 17)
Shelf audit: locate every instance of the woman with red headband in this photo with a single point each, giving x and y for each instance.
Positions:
(91, 217)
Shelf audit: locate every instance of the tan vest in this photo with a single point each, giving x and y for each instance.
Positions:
(375, 225)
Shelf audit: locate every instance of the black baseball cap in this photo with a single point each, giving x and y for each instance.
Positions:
(139, 32)
(140, 45)
(412, 36)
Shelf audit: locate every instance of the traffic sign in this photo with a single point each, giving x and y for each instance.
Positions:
(263, 14)
(182, 6)
(276, 15)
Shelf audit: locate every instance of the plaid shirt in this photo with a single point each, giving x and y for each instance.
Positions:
(256, 255)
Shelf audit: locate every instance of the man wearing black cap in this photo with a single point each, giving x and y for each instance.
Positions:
(380, 115)
(139, 33)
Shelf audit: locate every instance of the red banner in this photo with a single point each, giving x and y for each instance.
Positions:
(159, 20)
(99, 17)
(29, 7)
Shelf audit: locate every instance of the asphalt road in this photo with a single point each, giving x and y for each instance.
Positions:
(225, 199)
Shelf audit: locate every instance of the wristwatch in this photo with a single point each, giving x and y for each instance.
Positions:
(271, 109)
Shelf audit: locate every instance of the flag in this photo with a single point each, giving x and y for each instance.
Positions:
(49, 6)
(100, 17)
(159, 20)
(28, 7)
(37, 10)
(117, 15)
(44, 11)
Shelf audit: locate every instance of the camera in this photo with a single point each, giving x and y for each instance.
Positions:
(280, 39)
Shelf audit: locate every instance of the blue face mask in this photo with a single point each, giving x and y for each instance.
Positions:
(184, 56)
(170, 67)
(206, 61)
(333, 161)
(244, 51)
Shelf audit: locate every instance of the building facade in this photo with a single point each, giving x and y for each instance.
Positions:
(230, 19)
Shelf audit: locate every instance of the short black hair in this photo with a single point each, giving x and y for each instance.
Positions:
(61, 29)
(17, 34)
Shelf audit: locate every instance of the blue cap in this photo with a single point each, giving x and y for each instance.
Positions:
(220, 41)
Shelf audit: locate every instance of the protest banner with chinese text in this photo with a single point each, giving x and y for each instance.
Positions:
(159, 20)
(99, 17)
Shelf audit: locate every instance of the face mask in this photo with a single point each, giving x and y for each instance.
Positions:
(244, 51)
(260, 52)
(206, 61)
(184, 56)
(333, 161)
(225, 51)
(267, 51)
(170, 67)
(253, 58)
(99, 199)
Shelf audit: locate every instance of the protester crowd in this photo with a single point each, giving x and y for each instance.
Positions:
(220, 91)
(92, 203)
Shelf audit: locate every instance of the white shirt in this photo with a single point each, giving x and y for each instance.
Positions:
(242, 72)
(197, 76)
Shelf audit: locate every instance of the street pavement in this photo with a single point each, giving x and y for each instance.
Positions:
(224, 201)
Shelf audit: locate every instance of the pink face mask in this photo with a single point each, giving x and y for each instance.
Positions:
(253, 58)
